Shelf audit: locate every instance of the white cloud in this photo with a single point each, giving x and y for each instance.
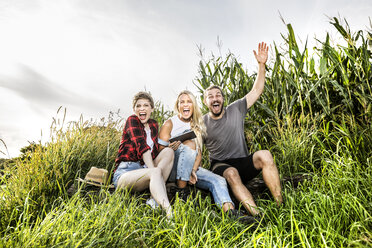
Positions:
(92, 56)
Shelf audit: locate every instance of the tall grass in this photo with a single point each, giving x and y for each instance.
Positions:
(333, 85)
(48, 171)
(331, 210)
(314, 116)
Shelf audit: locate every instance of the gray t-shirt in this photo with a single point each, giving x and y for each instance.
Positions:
(225, 136)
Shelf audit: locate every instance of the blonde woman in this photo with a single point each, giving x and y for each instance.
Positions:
(186, 166)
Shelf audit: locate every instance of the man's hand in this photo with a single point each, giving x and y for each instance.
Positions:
(262, 54)
(259, 84)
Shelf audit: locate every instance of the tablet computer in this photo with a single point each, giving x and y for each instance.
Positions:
(183, 136)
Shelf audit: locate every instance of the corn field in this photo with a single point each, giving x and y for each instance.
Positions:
(314, 116)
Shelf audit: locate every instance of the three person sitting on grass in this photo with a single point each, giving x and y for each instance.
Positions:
(146, 161)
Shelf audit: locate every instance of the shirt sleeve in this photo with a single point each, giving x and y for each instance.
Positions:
(137, 135)
(241, 105)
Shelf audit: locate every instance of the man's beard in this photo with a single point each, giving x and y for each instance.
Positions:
(219, 113)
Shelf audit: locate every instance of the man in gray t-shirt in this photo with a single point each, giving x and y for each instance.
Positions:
(225, 140)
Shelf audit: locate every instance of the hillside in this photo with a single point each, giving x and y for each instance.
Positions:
(314, 116)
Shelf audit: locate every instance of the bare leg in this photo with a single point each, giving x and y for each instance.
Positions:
(263, 160)
(239, 190)
(142, 179)
(164, 161)
(181, 184)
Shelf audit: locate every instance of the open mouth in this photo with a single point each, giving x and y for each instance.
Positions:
(142, 116)
(186, 111)
(216, 106)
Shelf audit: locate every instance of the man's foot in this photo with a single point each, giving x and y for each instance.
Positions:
(245, 219)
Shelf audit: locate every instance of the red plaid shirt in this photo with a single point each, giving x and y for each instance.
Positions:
(133, 141)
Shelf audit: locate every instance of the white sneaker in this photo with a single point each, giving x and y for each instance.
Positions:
(152, 203)
(169, 212)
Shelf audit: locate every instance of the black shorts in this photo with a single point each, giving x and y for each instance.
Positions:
(244, 165)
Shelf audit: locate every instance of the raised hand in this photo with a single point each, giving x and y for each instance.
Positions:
(262, 54)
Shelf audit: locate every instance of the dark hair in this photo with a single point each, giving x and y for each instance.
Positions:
(143, 95)
(213, 87)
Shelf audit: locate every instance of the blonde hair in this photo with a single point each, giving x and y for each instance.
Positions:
(196, 122)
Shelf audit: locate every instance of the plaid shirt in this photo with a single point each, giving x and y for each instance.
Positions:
(133, 142)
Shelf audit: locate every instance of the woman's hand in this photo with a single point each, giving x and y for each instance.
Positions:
(193, 178)
(174, 145)
(147, 159)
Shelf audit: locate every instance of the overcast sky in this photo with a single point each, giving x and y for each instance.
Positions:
(92, 56)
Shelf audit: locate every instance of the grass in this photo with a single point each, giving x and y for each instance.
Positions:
(331, 210)
(314, 116)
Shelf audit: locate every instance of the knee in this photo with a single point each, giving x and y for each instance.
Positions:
(220, 181)
(263, 158)
(155, 172)
(168, 153)
(232, 175)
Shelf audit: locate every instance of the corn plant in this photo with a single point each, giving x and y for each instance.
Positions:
(328, 85)
(314, 115)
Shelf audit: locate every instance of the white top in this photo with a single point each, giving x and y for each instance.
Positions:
(179, 126)
(149, 141)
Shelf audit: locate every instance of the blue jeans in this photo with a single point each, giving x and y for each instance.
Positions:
(123, 168)
(216, 184)
(184, 158)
